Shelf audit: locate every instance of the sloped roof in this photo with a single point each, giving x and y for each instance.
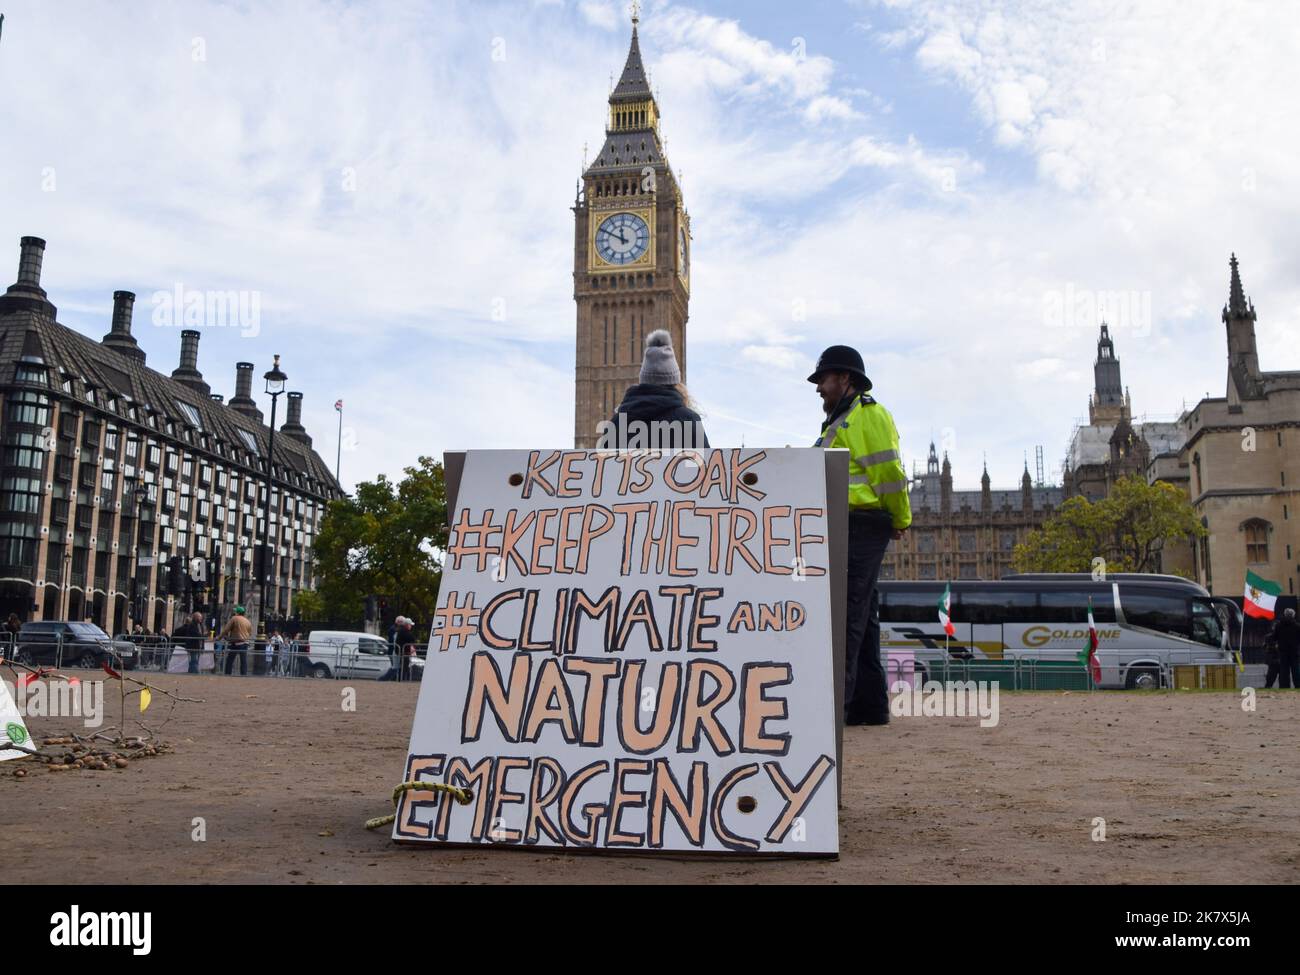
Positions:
(633, 85)
(629, 150)
(88, 362)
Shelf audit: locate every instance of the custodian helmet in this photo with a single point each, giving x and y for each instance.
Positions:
(841, 358)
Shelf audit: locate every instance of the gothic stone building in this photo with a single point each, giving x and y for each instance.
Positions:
(1240, 459)
(965, 534)
(631, 252)
(1110, 445)
(1237, 457)
(86, 423)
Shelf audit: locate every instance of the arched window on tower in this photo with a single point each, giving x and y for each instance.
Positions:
(1256, 530)
(1196, 465)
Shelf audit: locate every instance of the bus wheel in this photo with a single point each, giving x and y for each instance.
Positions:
(1143, 679)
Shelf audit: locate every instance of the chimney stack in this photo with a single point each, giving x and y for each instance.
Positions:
(242, 401)
(188, 371)
(119, 338)
(293, 425)
(29, 261)
(26, 294)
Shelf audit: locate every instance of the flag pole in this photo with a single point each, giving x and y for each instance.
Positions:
(946, 635)
(338, 459)
(1241, 643)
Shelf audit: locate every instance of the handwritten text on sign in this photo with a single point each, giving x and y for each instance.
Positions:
(632, 650)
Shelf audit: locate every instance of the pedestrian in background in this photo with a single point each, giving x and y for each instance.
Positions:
(1285, 636)
(405, 642)
(238, 633)
(274, 652)
(190, 636)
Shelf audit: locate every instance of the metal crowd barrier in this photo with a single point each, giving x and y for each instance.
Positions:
(1011, 674)
(296, 659)
(40, 650)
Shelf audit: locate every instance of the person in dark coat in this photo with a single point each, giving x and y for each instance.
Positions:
(191, 636)
(13, 626)
(657, 412)
(1285, 637)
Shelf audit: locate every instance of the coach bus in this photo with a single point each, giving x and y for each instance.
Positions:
(1144, 623)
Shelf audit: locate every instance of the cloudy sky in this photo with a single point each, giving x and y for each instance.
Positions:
(960, 189)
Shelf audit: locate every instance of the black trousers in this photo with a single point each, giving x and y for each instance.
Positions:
(242, 650)
(1287, 667)
(866, 697)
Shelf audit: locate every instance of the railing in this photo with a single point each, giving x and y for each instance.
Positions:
(1011, 674)
(40, 650)
(295, 659)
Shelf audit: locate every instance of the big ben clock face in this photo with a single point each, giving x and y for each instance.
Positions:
(683, 258)
(622, 238)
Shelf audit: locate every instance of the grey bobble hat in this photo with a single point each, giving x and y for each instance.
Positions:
(659, 366)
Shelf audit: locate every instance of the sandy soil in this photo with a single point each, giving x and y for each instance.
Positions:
(1192, 788)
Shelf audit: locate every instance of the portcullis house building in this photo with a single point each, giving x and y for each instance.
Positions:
(112, 472)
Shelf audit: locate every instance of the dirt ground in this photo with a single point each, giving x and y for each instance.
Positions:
(1192, 788)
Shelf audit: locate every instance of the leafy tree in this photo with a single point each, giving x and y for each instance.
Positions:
(387, 540)
(1128, 529)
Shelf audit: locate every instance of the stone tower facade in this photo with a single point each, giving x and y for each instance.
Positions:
(631, 252)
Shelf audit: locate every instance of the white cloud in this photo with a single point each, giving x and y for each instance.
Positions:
(601, 13)
(829, 107)
(748, 59)
(779, 357)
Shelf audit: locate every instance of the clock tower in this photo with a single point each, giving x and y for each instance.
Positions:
(631, 251)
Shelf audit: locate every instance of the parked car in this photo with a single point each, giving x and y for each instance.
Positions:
(40, 643)
(354, 655)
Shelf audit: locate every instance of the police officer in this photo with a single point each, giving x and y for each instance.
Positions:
(879, 511)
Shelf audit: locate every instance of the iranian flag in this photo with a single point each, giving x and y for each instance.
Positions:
(1261, 596)
(1088, 654)
(945, 604)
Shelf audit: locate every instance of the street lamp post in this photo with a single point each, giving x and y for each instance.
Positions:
(139, 495)
(67, 582)
(275, 383)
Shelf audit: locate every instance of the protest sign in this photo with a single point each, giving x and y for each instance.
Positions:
(12, 727)
(633, 650)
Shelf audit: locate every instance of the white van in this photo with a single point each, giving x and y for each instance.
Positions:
(349, 654)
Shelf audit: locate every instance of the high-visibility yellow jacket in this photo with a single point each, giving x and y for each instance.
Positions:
(876, 476)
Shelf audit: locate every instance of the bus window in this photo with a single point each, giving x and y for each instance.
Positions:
(909, 605)
(1072, 607)
(1166, 614)
(1206, 625)
(995, 605)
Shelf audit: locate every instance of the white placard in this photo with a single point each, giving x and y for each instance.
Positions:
(12, 726)
(632, 651)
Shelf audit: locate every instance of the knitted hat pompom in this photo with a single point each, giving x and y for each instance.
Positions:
(659, 366)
